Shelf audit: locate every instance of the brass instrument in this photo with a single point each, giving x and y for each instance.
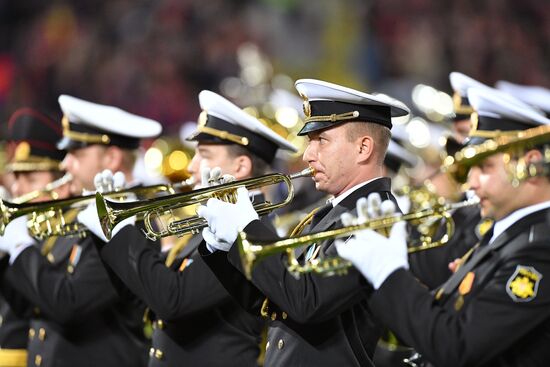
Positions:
(47, 190)
(252, 251)
(47, 219)
(512, 145)
(111, 213)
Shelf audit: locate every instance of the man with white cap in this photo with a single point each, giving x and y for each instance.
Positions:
(314, 320)
(495, 309)
(99, 137)
(78, 318)
(196, 322)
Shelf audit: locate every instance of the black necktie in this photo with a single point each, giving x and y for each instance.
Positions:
(319, 214)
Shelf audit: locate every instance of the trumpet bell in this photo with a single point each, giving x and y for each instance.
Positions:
(112, 213)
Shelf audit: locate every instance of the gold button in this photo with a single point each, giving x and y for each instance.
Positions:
(266, 345)
(280, 344)
(42, 334)
(160, 324)
(50, 257)
(274, 316)
(1, 320)
(284, 315)
(31, 333)
(159, 354)
(38, 360)
(151, 352)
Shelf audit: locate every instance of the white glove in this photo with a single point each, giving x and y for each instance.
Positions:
(16, 238)
(374, 255)
(225, 220)
(104, 181)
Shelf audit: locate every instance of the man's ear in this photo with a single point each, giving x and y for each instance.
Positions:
(365, 146)
(533, 156)
(113, 158)
(243, 167)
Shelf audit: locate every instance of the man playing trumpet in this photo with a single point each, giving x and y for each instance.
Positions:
(313, 321)
(495, 309)
(196, 322)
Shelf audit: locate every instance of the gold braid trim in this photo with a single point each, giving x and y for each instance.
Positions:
(176, 249)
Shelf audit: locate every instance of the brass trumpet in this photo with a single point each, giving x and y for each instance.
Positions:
(252, 251)
(512, 145)
(47, 217)
(111, 213)
(47, 190)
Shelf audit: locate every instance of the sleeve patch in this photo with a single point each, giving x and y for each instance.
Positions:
(523, 284)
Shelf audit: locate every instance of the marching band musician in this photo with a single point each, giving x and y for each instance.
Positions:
(197, 323)
(313, 320)
(433, 267)
(78, 317)
(494, 310)
(34, 163)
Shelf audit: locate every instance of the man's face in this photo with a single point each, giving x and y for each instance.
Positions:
(25, 182)
(333, 157)
(491, 184)
(211, 155)
(84, 164)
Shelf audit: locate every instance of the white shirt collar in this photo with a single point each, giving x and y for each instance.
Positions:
(507, 221)
(337, 200)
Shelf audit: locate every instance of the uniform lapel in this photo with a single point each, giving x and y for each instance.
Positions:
(518, 227)
(348, 205)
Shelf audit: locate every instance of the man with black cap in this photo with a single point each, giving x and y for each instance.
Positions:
(196, 322)
(78, 317)
(313, 320)
(495, 309)
(34, 161)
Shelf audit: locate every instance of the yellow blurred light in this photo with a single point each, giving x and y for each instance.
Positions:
(178, 160)
(287, 116)
(252, 111)
(444, 105)
(161, 145)
(153, 159)
(419, 132)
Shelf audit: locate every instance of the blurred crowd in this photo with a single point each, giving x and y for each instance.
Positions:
(153, 57)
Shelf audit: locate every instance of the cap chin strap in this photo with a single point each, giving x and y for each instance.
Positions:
(224, 135)
(333, 117)
(84, 137)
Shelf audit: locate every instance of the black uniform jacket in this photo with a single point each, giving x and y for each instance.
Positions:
(499, 315)
(431, 267)
(197, 322)
(14, 329)
(314, 320)
(78, 318)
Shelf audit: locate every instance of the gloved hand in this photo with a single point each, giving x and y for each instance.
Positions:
(374, 255)
(104, 181)
(16, 238)
(225, 220)
(214, 177)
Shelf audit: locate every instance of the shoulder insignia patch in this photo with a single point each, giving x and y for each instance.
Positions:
(523, 284)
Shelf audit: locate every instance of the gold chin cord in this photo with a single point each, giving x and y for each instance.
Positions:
(153, 210)
(252, 251)
(48, 218)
